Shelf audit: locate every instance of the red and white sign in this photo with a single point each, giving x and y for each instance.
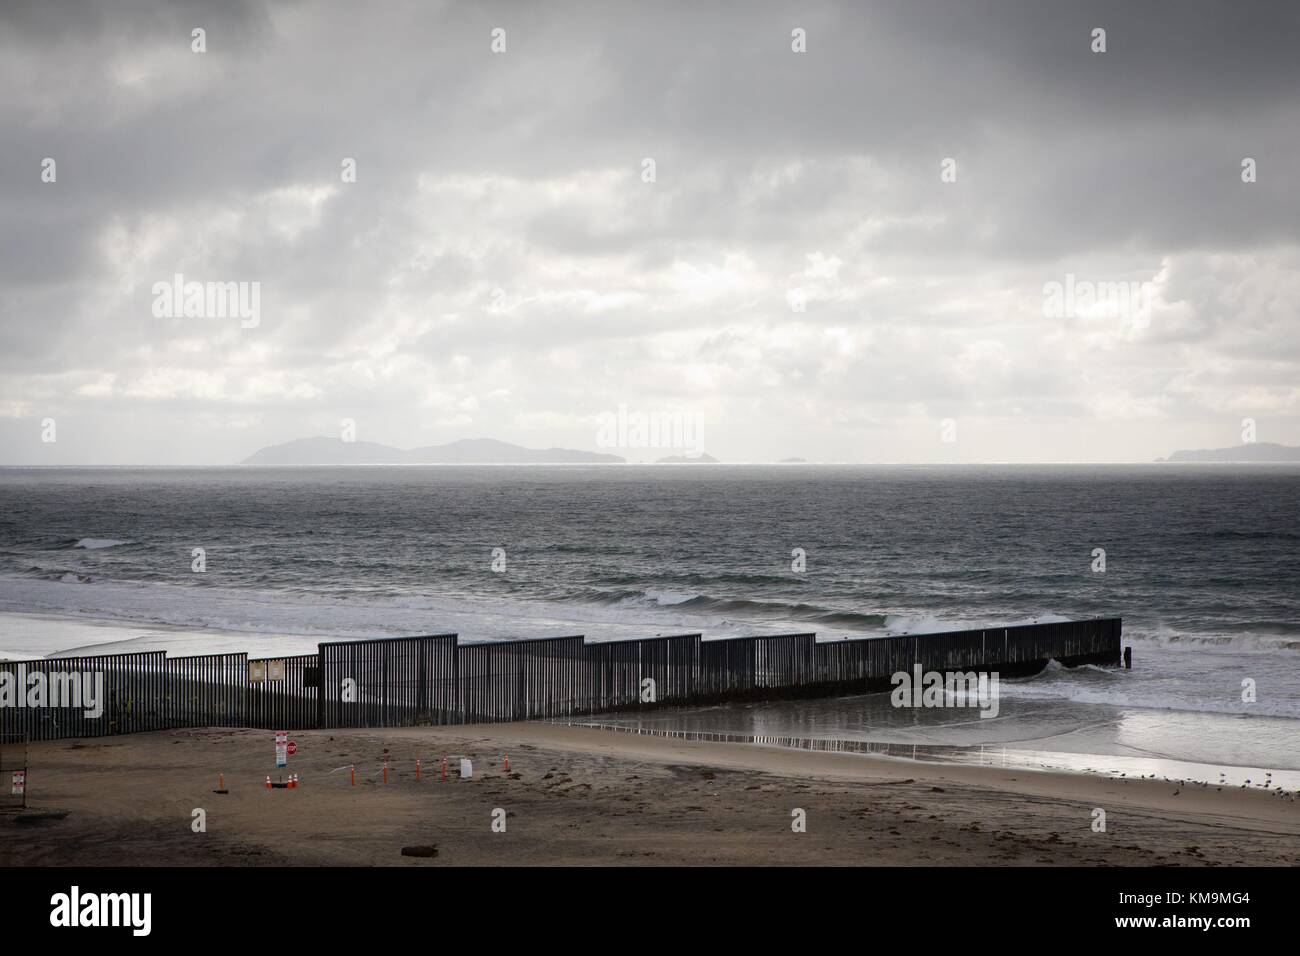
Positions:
(293, 747)
(282, 748)
(19, 783)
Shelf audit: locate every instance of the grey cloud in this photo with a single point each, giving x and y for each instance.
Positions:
(1068, 162)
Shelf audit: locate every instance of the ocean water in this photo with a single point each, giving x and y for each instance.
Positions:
(1202, 562)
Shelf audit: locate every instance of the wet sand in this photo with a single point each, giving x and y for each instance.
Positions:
(581, 796)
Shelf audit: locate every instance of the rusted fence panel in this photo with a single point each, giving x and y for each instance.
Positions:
(617, 672)
(207, 690)
(389, 682)
(518, 680)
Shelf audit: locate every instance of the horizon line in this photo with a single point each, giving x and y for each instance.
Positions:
(642, 464)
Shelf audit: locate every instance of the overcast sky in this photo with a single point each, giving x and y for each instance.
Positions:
(798, 278)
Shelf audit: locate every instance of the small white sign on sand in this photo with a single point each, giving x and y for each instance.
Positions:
(281, 748)
(19, 783)
(466, 768)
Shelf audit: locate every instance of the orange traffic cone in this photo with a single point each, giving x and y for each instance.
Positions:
(417, 768)
(385, 771)
(444, 769)
(507, 763)
(354, 775)
(268, 781)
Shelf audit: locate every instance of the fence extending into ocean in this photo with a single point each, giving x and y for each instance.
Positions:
(434, 679)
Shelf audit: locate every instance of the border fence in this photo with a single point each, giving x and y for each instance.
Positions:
(289, 703)
(403, 681)
(392, 682)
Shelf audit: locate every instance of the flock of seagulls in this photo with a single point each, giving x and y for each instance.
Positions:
(1267, 784)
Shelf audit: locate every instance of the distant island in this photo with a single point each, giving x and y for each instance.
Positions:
(1260, 451)
(467, 451)
(700, 459)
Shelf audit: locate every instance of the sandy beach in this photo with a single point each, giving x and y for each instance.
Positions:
(581, 796)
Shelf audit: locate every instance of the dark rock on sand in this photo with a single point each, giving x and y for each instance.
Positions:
(420, 850)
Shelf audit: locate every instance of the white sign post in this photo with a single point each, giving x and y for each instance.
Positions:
(282, 748)
(19, 783)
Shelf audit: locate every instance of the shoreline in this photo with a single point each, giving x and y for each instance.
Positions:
(1082, 719)
(1032, 759)
(580, 796)
(1115, 739)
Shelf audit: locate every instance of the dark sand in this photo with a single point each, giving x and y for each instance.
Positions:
(579, 796)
